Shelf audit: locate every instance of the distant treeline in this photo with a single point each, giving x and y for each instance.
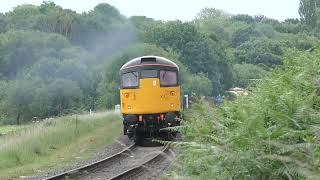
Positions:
(55, 61)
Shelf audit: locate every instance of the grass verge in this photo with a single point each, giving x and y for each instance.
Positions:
(8, 129)
(55, 143)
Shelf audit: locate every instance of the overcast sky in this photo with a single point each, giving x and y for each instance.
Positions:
(177, 9)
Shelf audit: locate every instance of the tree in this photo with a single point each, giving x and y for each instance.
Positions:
(243, 18)
(23, 17)
(243, 35)
(246, 74)
(64, 22)
(308, 12)
(3, 23)
(21, 49)
(197, 84)
(97, 29)
(20, 95)
(259, 51)
(197, 51)
(211, 13)
(59, 96)
(3, 97)
(301, 41)
(260, 18)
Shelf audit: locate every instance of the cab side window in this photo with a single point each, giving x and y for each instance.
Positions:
(168, 78)
(130, 79)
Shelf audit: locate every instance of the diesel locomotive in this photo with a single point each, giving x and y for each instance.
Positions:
(150, 97)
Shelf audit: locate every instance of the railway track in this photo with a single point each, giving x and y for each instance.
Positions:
(144, 168)
(130, 163)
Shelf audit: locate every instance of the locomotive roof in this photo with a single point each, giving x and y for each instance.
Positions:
(149, 61)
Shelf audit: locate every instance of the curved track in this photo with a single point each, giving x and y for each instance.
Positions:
(144, 168)
(133, 162)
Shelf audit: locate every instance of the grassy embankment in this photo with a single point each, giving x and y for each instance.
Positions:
(8, 129)
(273, 133)
(55, 143)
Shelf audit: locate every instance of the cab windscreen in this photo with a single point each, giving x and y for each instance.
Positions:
(130, 79)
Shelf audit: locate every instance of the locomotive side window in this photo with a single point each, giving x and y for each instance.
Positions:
(149, 74)
(130, 79)
(168, 78)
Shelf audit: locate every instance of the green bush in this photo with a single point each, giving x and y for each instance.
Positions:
(248, 74)
(197, 84)
(273, 133)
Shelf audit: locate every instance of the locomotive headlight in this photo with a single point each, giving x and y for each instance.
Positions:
(126, 95)
(172, 93)
(129, 107)
(172, 105)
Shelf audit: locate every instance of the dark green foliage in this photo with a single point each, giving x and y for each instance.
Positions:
(308, 12)
(243, 18)
(28, 98)
(3, 23)
(259, 51)
(23, 17)
(60, 96)
(197, 84)
(103, 31)
(20, 96)
(243, 35)
(20, 49)
(301, 42)
(248, 74)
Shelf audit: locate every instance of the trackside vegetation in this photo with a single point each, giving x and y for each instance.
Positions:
(4, 130)
(273, 133)
(55, 142)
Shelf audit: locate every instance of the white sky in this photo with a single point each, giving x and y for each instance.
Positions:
(177, 9)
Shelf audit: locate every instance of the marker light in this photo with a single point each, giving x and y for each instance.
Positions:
(172, 93)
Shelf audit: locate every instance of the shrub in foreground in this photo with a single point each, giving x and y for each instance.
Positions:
(273, 133)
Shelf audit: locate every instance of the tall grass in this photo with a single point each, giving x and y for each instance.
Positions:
(7, 129)
(273, 133)
(37, 143)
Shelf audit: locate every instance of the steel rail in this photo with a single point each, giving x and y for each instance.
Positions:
(139, 168)
(77, 171)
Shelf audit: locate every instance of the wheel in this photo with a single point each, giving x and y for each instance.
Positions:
(167, 136)
(137, 137)
(170, 118)
(170, 136)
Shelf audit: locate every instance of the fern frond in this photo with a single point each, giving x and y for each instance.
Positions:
(174, 129)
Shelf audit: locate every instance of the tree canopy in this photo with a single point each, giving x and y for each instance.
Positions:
(51, 52)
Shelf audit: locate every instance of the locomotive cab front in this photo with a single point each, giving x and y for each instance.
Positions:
(150, 96)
